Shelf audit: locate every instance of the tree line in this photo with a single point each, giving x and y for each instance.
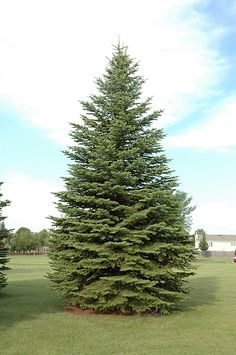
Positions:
(24, 240)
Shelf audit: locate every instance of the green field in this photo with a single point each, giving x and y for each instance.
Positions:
(33, 320)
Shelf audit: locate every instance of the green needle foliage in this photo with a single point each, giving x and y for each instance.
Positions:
(120, 243)
(203, 245)
(3, 244)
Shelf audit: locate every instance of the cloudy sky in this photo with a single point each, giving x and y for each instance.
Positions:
(50, 53)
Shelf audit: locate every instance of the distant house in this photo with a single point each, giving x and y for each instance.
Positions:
(219, 244)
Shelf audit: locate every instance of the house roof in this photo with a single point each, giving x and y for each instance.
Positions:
(221, 237)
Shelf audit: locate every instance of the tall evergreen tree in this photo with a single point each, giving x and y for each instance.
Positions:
(120, 242)
(3, 244)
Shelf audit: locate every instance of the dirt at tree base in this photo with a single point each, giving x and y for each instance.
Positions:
(86, 312)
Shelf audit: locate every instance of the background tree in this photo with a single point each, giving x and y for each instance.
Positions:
(8, 235)
(24, 240)
(42, 238)
(120, 243)
(3, 244)
(203, 245)
(200, 232)
(4, 232)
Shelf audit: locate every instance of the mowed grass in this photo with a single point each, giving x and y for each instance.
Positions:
(33, 320)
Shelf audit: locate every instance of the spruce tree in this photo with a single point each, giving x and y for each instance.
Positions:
(3, 244)
(203, 245)
(120, 242)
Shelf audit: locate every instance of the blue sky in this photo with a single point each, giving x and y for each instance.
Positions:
(51, 51)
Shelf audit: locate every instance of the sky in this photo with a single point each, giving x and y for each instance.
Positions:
(51, 51)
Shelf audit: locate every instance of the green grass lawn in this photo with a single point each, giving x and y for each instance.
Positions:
(33, 320)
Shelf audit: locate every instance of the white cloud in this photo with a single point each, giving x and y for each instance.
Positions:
(215, 132)
(31, 202)
(52, 50)
(215, 217)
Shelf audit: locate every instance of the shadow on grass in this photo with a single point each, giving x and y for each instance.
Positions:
(27, 299)
(203, 292)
